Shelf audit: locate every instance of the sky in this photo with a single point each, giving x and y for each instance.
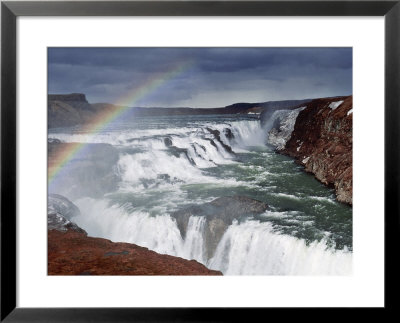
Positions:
(199, 77)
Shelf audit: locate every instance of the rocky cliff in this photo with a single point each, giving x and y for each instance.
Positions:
(322, 142)
(73, 97)
(68, 110)
(72, 252)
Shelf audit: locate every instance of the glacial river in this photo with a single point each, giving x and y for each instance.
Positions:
(167, 164)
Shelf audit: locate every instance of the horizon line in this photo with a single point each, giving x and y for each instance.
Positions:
(177, 107)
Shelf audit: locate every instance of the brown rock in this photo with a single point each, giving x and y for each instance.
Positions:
(74, 253)
(327, 144)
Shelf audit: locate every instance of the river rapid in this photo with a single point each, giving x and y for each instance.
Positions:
(166, 164)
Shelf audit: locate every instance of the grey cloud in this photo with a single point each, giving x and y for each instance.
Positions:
(216, 76)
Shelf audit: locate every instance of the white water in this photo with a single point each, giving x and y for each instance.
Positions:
(278, 136)
(247, 133)
(248, 248)
(159, 233)
(252, 248)
(155, 160)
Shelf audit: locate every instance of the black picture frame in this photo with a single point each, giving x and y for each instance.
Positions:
(10, 10)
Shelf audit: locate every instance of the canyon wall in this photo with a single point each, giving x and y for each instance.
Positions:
(321, 140)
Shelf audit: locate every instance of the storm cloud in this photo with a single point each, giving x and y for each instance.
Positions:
(213, 77)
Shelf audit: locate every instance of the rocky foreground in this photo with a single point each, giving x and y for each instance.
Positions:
(319, 136)
(72, 252)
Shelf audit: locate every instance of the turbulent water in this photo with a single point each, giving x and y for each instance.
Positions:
(169, 163)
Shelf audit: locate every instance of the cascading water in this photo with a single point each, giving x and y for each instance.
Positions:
(166, 164)
(253, 248)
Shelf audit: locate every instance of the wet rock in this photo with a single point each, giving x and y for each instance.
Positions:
(229, 134)
(219, 214)
(60, 211)
(212, 143)
(176, 151)
(59, 204)
(167, 142)
(217, 136)
(56, 221)
(195, 150)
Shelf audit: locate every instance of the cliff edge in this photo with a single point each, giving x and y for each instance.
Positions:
(322, 142)
(72, 252)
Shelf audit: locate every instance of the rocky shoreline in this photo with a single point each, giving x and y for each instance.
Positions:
(320, 139)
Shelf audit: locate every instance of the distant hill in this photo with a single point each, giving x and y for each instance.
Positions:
(68, 110)
(73, 109)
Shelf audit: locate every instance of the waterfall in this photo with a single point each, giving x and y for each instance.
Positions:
(280, 125)
(247, 248)
(252, 248)
(164, 166)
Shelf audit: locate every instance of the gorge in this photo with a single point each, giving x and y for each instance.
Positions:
(223, 186)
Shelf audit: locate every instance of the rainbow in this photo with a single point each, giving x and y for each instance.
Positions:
(109, 115)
